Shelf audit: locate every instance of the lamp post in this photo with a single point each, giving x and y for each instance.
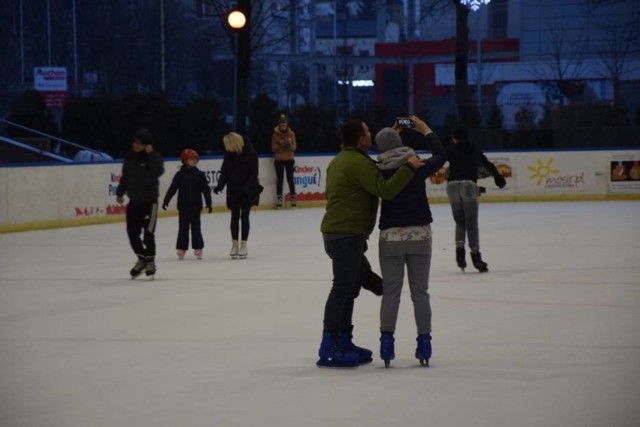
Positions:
(162, 49)
(236, 21)
(474, 5)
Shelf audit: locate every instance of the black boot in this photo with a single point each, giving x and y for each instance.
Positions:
(482, 266)
(150, 267)
(462, 263)
(139, 267)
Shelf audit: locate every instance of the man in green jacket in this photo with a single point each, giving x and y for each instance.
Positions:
(354, 184)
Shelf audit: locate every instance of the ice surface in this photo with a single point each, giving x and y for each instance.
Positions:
(549, 337)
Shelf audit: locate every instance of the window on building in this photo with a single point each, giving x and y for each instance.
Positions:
(204, 9)
(498, 19)
(344, 50)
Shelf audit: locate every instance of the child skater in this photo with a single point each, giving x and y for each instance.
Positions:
(191, 184)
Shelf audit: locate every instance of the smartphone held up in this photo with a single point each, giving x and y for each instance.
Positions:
(405, 122)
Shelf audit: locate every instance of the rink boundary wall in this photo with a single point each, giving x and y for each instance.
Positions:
(54, 196)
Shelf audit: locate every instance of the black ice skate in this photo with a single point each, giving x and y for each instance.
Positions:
(279, 203)
(138, 267)
(293, 201)
(460, 258)
(482, 266)
(150, 267)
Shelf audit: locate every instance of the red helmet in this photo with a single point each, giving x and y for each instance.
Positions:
(189, 154)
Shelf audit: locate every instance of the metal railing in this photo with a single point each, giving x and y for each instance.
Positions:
(60, 152)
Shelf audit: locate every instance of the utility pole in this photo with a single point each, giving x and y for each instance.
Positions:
(162, 58)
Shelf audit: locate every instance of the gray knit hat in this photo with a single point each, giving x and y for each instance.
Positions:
(387, 139)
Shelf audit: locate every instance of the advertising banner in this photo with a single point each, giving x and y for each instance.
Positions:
(437, 183)
(556, 173)
(309, 177)
(51, 82)
(624, 172)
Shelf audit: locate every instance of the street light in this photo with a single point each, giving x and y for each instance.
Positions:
(236, 21)
(475, 5)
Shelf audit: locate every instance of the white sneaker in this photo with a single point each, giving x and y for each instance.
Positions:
(244, 250)
(233, 253)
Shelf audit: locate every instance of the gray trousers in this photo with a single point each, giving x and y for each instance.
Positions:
(463, 197)
(416, 255)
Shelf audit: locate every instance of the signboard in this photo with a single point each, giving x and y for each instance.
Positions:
(556, 172)
(51, 82)
(624, 172)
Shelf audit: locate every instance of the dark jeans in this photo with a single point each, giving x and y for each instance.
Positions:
(189, 220)
(346, 256)
(240, 214)
(281, 166)
(141, 219)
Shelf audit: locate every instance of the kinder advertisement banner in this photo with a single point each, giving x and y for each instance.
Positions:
(309, 177)
(557, 172)
(624, 172)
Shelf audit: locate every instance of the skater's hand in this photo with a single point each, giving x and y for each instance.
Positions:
(209, 209)
(415, 162)
(216, 190)
(120, 200)
(500, 181)
(165, 206)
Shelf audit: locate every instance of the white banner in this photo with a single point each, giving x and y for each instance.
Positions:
(624, 172)
(50, 79)
(556, 172)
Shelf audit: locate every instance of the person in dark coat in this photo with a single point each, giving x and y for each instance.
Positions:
(405, 238)
(191, 185)
(239, 173)
(140, 181)
(464, 160)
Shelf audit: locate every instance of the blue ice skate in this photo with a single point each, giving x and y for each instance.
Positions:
(364, 354)
(387, 350)
(334, 356)
(423, 352)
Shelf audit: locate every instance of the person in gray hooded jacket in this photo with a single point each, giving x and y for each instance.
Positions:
(405, 238)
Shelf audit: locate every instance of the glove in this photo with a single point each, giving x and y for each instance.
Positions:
(216, 190)
(209, 209)
(165, 205)
(500, 181)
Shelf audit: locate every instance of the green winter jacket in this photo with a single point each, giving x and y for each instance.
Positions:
(354, 184)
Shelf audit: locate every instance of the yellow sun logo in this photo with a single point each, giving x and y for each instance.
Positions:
(541, 170)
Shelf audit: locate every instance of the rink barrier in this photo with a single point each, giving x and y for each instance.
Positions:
(40, 196)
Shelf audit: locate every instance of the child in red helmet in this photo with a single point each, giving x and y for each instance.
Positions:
(191, 184)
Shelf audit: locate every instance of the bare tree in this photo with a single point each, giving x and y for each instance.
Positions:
(620, 43)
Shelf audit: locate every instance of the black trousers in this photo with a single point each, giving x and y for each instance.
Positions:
(346, 258)
(141, 221)
(189, 220)
(281, 166)
(240, 214)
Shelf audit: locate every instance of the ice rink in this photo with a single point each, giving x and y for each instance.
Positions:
(549, 337)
